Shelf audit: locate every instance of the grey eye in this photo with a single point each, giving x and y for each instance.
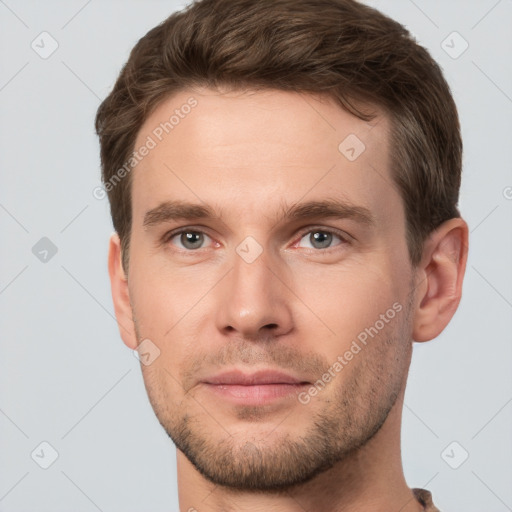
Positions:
(189, 239)
(319, 239)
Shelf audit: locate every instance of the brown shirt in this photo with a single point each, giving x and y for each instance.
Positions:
(425, 499)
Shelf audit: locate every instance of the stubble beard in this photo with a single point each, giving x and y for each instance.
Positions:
(351, 417)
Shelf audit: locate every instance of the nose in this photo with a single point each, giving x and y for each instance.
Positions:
(254, 300)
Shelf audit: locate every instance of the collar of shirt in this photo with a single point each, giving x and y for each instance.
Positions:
(425, 499)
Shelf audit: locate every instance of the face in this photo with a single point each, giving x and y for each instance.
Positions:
(269, 272)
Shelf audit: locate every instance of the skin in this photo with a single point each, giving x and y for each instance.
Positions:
(296, 308)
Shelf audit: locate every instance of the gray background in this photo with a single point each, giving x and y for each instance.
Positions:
(65, 376)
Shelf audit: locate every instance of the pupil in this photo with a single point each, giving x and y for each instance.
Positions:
(191, 240)
(321, 239)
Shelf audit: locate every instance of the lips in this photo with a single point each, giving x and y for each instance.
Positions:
(254, 389)
(238, 378)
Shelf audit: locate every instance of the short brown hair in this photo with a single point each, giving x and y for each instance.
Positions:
(341, 49)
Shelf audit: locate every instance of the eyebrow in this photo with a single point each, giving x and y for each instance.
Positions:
(328, 208)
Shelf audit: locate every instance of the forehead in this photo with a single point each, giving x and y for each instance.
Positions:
(254, 148)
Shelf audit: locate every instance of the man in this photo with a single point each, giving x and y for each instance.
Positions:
(283, 179)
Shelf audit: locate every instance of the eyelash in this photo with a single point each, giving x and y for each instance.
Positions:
(344, 238)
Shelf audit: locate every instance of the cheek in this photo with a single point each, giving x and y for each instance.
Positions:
(168, 307)
(161, 296)
(349, 298)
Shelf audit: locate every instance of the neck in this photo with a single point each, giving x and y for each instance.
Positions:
(370, 478)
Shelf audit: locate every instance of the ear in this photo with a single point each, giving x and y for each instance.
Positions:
(439, 278)
(120, 293)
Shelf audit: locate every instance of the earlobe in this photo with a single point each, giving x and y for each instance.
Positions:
(120, 293)
(440, 274)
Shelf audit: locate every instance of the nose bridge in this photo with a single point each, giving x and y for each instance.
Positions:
(253, 298)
